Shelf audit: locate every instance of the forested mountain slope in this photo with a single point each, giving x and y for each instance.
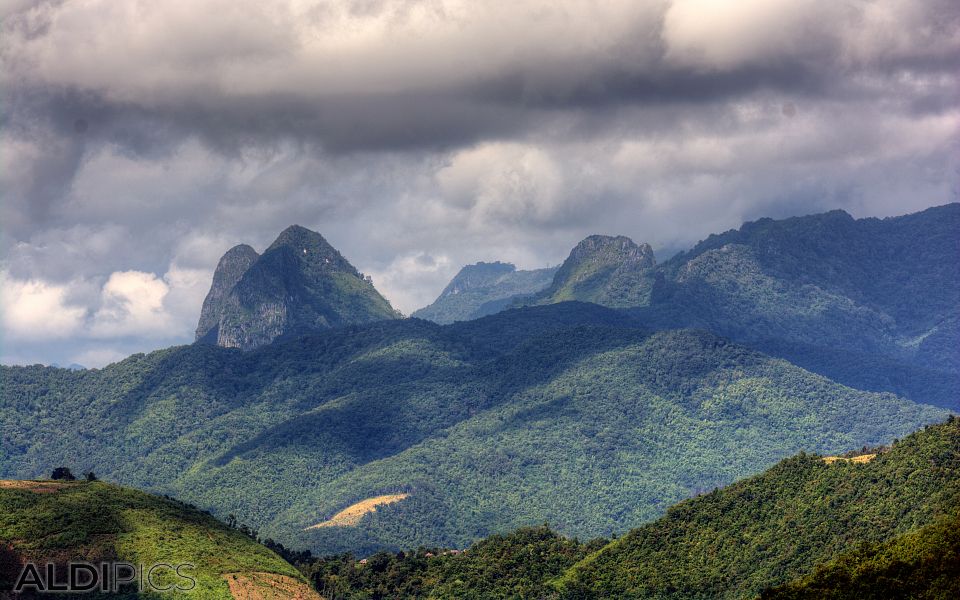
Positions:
(806, 528)
(567, 413)
(922, 565)
(769, 529)
(483, 289)
(871, 303)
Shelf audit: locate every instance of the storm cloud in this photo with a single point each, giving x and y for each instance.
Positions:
(142, 139)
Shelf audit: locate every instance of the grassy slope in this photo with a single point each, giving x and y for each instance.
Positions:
(770, 529)
(96, 521)
(561, 413)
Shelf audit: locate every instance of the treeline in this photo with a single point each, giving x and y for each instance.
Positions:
(521, 564)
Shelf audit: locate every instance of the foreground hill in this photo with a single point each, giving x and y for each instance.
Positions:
(567, 413)
(806, 528)
(300, 284)
(769, 529)
(923, 564)
(55, 521)
(483, 289)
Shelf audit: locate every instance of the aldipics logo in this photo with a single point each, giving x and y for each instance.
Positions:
(105, 577)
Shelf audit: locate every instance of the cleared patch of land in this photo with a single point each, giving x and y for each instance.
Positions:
(268, 586)
(39, 487)
(351, 515)
(863, 458)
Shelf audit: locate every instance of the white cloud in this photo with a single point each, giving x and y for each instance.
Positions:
(146, 138)
(722, 34)
(36, 309)
(409, 280)
(130, 309)
(132, 304)
(503, 182)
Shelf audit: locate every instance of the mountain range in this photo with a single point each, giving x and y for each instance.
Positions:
(594, 403)
(871, 303)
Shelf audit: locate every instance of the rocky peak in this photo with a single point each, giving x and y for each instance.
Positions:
(310, 248)
(300, 284)
(229, 270)
(619, 250)
(477, 275)
(609, 270)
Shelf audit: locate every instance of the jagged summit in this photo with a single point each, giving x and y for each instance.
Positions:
(482, 289)
(299, 284)
(310, 247)
(610, 270)
(231, 267)
(611, 249)
(477, 275)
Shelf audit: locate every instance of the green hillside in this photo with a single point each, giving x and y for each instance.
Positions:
(606, 270)
(47, 521)
(521, 564)
(922, 564)
(851, 528)
(772, 528)
(567, 413)
(483, 289)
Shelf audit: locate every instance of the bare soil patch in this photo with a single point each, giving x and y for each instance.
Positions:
(351, 515)
(268, 586)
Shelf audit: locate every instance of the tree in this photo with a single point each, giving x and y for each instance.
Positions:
(62, 474)
(89, 476)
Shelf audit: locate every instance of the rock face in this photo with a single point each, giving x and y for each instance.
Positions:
(612, 271)
(483, 289)
(298, 285)
(231, 267)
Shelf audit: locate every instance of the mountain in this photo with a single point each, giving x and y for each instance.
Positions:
(877, 525)
(482, 289)
(300, 284)
(871, 303)
(568, 413)
(94, 522)
(611, 271)
(230, 269)
(769, 529)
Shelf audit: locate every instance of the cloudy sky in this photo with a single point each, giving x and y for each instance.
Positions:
(142, 139)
